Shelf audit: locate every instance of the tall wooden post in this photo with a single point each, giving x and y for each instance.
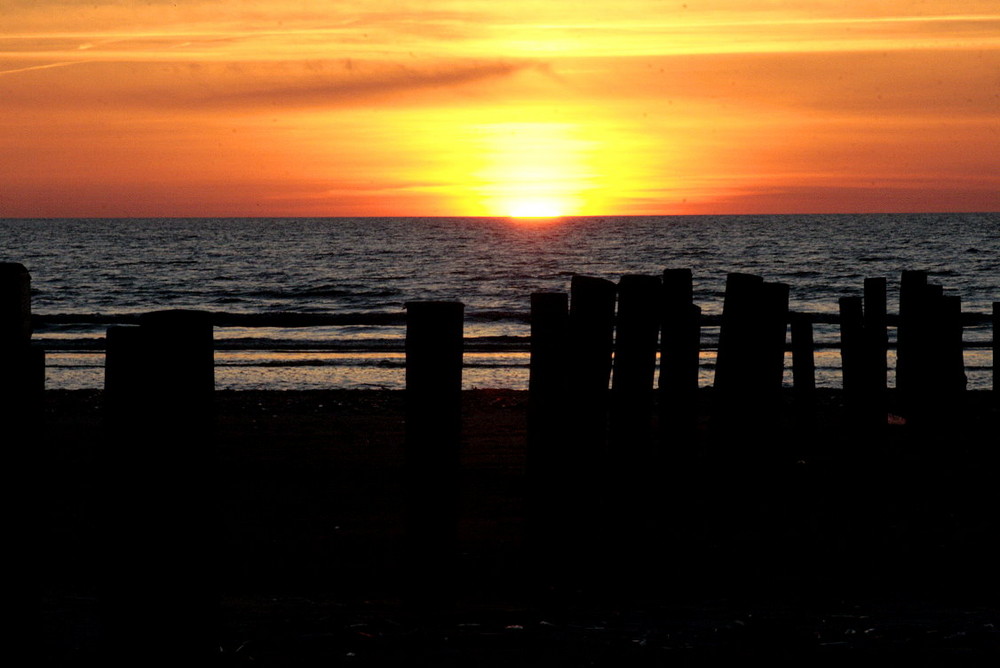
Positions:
(681, 335)
(677, 494)
(636, 340)
(22, 368)
(591, 335)
(630, 462)
(637, 334)
(158, 472)
(592, 326)
(773, 334)
(22, 379)
(434, 346)
(876, 338)
(910, 333)
(738, 355)
(803, 373)
(591, 323)
(852, 347)
(946, 367)
(549, 455)
(15, 305)
(803, 360)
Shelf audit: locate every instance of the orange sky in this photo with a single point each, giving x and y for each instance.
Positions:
(364, 107)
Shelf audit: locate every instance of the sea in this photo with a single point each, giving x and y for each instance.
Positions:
(316, 303)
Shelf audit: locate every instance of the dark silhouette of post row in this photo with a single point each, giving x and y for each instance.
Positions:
(22, 380)
(158, 470)
(434, 346)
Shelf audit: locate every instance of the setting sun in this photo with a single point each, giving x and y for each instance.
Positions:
(535, 208)
(536, 169)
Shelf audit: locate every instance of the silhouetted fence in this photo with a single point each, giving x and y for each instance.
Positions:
(609, 443)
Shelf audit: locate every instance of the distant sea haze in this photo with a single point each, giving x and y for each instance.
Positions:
(319, 303)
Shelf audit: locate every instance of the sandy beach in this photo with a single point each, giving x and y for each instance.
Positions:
(830, 557)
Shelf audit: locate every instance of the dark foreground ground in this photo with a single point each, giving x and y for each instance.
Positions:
(829, 548)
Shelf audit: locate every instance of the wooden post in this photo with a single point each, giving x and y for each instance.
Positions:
(434, 346)
(591, 335)
(876, 338)
(676, 491)
(181, 363)
(630, 463)
(637, 335)
(803, 375)
(803, 360)
(852, 347)
(591, 322)
(22, 379)
(909, 349)
(123, 374)
(15, 305)
(22, 368)
(773, 334)
(679, 364)
(548, 453)
(738, 354)
(948, 345)
(549, 354)
(678, 289)
(955, 344)
(158, 476)
(925, 404)
(681, 336)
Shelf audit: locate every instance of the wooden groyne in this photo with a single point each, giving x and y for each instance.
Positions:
(635, 478)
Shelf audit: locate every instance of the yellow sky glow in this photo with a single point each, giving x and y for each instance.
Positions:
(191, 107)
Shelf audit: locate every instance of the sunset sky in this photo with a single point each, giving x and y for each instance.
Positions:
(479, 107)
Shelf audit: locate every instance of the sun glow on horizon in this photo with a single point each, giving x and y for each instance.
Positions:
(534, 170)
(536, 208)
